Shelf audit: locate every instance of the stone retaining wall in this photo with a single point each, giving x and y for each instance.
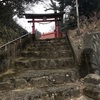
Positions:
(87, 51)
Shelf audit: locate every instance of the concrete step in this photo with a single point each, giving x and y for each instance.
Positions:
(59, 92)
(43, 63)
(46, 54)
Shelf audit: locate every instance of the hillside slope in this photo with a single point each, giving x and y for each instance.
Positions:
(10, 31)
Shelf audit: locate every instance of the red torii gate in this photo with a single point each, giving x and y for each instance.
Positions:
(46, 18)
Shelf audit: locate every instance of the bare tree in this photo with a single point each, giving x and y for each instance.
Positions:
(51, 6)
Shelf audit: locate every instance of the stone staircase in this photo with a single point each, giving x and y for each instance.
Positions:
(44, 71)
(46, 54)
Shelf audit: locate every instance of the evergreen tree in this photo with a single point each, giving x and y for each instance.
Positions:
(87, 8)
(8, 8)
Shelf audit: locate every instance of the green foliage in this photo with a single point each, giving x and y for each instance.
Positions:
(87, 8)
(9, 8)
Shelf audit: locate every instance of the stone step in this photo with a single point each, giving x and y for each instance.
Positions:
(50, 44)
(43, 78)
(40, 78)
(59, 92)
(42, 42)
(54, 40)
(43, 63)
(46, 54)
(48, 48)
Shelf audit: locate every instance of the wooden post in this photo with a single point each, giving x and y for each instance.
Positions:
(77, 12)
(33, 27)
(56, 28)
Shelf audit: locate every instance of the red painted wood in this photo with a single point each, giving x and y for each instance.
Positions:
(33, 27)
(42, 21)
(48, 35)
(56, 17)
(57, 34)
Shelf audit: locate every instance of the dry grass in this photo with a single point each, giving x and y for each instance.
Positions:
(82, 98)
(8, 73)
(89, 25)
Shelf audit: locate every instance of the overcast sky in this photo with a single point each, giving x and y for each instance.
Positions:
(43, 28)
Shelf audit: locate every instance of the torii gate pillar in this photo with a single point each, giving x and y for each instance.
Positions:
(33, 26)
(57, 34)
